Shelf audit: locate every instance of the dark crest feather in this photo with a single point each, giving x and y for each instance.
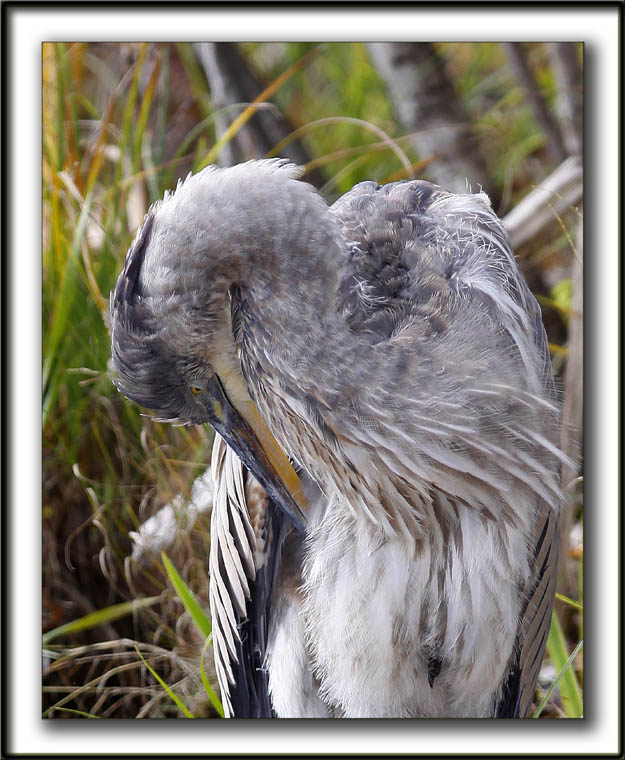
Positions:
(146, 372)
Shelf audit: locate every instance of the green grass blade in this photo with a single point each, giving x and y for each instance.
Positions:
(201, 621)
(580, 585)
(556, 681)
(94, 619)
(144, 113)
(60, 51)
(569, 601)
(60, 324)
(175, 698)
(191, 604)
(215, 701)
(570, 693)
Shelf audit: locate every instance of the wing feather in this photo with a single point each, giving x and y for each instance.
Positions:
(243, 562)
(520, 687)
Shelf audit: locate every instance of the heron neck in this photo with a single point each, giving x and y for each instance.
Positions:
(296, 334)
(294, 341)
(298, 356)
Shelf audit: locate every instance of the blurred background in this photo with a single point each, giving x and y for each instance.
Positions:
(121, 124)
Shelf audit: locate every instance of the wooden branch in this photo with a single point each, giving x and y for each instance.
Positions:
(561, 190)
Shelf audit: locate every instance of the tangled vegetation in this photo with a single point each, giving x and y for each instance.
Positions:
(124, 623)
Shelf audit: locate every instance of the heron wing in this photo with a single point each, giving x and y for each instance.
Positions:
(520, 686)
(407, 242)
(415, 256)
(245, 545)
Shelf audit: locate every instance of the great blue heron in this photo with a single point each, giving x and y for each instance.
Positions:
(402, 561)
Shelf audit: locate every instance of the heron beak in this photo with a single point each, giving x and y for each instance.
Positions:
(245, 432)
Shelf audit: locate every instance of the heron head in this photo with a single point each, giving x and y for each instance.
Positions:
(172, 341)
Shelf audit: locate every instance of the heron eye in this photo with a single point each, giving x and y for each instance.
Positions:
(196, 385)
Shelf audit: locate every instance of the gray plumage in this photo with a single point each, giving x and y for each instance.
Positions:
(395, 353)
